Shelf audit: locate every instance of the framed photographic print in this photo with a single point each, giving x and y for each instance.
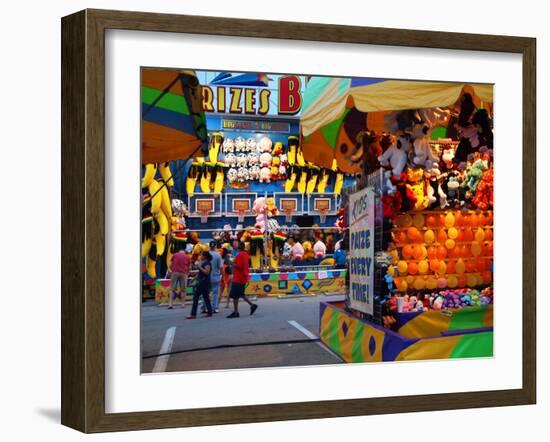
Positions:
(267, 221)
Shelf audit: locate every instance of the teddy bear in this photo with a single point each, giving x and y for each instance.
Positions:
(228, 145)
(271, 208)
(265, 175)
(230, 160)
(250, 144)
(423, 155)
(254, 172)
(308, 251)
(396, 155)
(240, 144)
(265, 145)
(319, 249)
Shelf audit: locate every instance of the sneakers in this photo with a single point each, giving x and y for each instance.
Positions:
(170, 307)
(191, 317)
(253, 308)
(234, 315)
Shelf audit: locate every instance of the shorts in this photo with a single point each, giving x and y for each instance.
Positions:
(180, 278)
(237, 290)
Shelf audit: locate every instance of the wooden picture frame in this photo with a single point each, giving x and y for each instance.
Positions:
(83, 219)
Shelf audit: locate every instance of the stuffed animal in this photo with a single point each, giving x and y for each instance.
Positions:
(228, 145)
(282, 166)
(453, 192)
(240, 144)
(265, 159)
(371, 150)
(415, 183)
(423, 155)
(277, 148)
(308, 251)
(474, 173)
(242, 174)
(265, 175)
(271, 208)
(259, 209)
(242, 160)
(232, 175)
(396, 155)
(230, 160)
(265, 145)
(251, 144)
(297, 251)
(483, 198)
(319, 249)
(388, 184)
(254, 172)
(275, 162)
(253, 158)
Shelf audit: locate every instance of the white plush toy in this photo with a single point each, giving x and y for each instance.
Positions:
(396, 155)
(423, 155)
(240, 144)
(253, 158)
(265, 175)
(242, 174)
(251, 144)
(265, 144)
(232, 175)
(265, 159)
(230, 160)
(390, 188)
(320, 249)
(242, 160)
(228, 145)
(254, 172)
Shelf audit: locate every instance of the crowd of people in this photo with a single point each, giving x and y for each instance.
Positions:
(217, 273)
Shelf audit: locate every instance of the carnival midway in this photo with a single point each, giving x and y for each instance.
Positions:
(293, 220)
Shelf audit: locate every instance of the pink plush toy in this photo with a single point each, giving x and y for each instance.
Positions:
(297, 251)
(320, 249)
(259, 209)
(265, 175)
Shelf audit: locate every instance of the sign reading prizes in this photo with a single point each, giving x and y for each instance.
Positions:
(361, 251)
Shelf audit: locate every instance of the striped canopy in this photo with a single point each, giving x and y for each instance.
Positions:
(173, 125)
(327, 103)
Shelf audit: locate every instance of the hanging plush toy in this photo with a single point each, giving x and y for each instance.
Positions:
(216, 141)
(415, 183)
(338, 178)
(372, 150)
(206, 177)
(232, 175)
(265, 175)
(242, 160)
(423, 155)
(242, 174)
(319, 249)
(228, 145)
(251, 144)
(194, 174)
(282, 166)
(275, 162)
(291, 179)
(313, 176)
(240, 144)
(302, 180)
(265, 145)
(293, 144)
(483, 199)
(265, 159)
(230, 160)
(254, 172)
(396, 156)
(277, 148)
(473, 176)
(253, 158)
(271, 208)
(308, 251)
(219, 180)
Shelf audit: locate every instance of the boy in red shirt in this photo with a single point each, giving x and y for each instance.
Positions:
(240, 279)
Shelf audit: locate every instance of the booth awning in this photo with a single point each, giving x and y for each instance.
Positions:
(329, 103)
(173, 125)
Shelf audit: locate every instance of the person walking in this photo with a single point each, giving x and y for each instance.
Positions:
(202, 287)
(227, 273)
(179, 266)
(215, 275)
(240, 279)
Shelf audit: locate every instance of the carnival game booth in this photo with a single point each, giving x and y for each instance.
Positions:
(252, 184)
(419, 221)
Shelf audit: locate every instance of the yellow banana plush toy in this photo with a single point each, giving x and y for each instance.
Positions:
(166, 173)
(206, 177)
(149, 175)
(216, 140)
